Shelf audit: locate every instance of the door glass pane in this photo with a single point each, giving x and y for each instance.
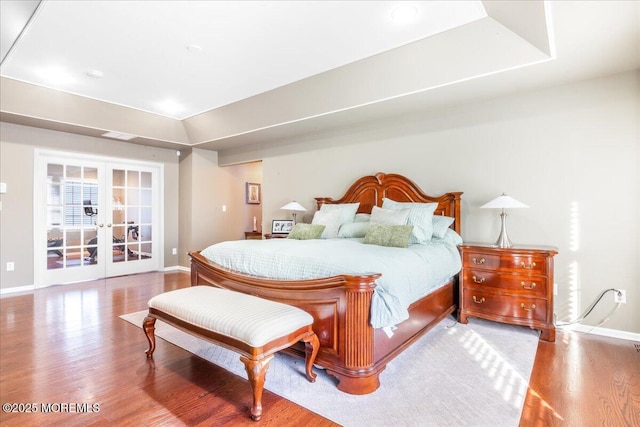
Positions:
(133, 215)
(91, 245)
(145, 233)
(118, 178)
(146, 198)
(133, 210)
(73, 258)
(145, 217)
(133, 252)
(145, 250)
(133, 197)
(74, 237)
(133, 179)
(72, 204)
(145, 180)
(74, 172)
(91, 174)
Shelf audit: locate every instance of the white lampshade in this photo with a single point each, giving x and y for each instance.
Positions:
(504, 202)
(294, 206)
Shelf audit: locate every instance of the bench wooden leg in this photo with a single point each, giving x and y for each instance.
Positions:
(256, 371)
(149, 330)
(311, 347)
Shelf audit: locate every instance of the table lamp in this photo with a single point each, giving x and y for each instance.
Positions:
(294, 207)
(504, 202)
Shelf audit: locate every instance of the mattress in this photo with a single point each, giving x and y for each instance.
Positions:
(407, 274)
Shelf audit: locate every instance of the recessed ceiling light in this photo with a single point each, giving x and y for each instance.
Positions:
(403, 14)
(170, 106)
(56, 75)
(96, 74)
(194, 48)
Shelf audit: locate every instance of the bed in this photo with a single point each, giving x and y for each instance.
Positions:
(351, 349)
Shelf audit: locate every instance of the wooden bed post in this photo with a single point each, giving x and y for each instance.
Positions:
(359, 345)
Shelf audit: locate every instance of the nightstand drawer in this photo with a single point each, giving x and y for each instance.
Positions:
(513, 262)
(529, 285)
(504, 306)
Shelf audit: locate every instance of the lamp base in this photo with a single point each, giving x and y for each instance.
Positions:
(503, 239)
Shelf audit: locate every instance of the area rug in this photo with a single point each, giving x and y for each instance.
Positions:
(455, 375)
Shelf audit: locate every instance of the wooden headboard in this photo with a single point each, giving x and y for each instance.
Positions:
(370, 190)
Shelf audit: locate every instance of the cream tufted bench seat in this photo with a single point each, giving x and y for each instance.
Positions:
(255, 328)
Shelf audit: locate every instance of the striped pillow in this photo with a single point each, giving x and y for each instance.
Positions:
(420, 216)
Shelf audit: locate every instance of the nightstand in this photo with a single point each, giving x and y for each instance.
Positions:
(275, 236)
(253, 235)
(510, 285)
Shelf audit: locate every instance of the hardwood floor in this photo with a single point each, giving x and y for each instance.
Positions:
(66, 344)
(584, 380)
(65, 350)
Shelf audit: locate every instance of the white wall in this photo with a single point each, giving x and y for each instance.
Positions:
(570, 152)
(205, 189)
(17, 145)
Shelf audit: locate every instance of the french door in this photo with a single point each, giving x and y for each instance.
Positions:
(95, 217)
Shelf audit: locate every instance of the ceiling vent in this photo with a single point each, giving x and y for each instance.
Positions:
(118, 135)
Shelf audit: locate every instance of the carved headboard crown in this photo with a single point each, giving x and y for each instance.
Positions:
(370, 190)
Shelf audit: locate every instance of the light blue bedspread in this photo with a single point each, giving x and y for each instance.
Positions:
(407, 274)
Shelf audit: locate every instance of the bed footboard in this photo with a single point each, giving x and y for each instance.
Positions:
(340, 306)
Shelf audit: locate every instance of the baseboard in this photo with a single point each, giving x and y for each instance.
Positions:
(611, 333)
(177, 268)
(28, 288)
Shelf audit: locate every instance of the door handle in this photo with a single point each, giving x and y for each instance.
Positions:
(109, 225)
(100, 225)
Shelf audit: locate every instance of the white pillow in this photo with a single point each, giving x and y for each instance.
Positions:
(389, 216)
(354, 229)
(331, 222)
(420, 216)
(347, 210)
(441, 225)
(361, 217)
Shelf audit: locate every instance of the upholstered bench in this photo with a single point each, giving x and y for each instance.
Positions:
(255, 328)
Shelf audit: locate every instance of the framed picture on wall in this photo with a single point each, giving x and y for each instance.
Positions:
(281, 226)
(253, 193)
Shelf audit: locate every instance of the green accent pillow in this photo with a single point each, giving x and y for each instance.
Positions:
(388, 235)
(306, 231)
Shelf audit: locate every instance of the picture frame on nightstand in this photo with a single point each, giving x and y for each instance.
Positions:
(281, 226)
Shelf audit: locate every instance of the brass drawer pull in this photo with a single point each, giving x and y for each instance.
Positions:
(477, 261)
(527, 266)
(478, 301)
(524, 307)
(478, 281)
(524, 285)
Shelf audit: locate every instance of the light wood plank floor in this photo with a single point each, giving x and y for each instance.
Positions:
(65, 347)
